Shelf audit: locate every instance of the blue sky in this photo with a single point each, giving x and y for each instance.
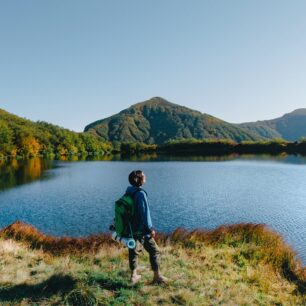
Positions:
(73, 62)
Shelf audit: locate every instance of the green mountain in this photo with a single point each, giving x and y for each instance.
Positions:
(291, 126)
(158, 121)
(19, 136)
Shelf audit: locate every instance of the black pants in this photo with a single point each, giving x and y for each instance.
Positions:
(151, 247)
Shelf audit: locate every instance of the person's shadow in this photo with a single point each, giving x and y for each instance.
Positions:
(56, 284)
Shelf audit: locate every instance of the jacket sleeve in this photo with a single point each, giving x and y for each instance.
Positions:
(144, 210)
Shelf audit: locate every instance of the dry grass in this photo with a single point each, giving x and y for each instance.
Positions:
(20, 231)
(260, 243)
(243, 264)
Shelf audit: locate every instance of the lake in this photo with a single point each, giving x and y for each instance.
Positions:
(76, 198)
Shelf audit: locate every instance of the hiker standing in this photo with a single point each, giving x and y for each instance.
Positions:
(142, 224)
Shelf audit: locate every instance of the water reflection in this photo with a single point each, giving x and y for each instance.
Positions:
(283, 157)
(16, 172)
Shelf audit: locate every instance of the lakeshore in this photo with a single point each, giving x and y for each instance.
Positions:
(242, 264)
(76, 198)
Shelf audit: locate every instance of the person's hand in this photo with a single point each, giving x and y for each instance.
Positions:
(153, 233)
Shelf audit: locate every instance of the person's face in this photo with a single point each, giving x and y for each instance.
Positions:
(144, 179)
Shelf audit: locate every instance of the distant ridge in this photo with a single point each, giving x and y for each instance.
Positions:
(158, 121)
(291, 126)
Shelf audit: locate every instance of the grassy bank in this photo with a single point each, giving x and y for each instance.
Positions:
(243, 264)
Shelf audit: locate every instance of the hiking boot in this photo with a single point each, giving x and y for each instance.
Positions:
(135, 278)
(159, 278)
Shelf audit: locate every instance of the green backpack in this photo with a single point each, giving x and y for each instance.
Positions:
(124, 215)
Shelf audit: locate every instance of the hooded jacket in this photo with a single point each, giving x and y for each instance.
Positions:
(143, 222)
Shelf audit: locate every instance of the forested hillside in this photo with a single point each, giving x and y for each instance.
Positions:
(153, 122)
(23, 137)
(157, 121)
(291, 126)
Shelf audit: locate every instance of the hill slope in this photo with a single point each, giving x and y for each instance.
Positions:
(158, 121)
(19, 136)
(291, 126)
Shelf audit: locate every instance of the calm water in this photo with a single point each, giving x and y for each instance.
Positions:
(77, 198)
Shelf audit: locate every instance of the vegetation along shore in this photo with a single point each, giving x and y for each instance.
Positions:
(155, 125)
(242, 264)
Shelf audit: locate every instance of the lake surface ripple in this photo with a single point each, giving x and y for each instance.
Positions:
(77, 198)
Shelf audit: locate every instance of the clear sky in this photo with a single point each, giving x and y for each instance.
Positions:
(71, 62)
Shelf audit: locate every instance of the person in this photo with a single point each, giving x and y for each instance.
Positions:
(142, 224)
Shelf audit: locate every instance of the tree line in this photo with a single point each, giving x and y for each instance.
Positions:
(25, 138)
(22, 137)
(223, 147)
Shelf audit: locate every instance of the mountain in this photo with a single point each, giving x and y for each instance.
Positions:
(158, 121)
(22, 137)
(291, 126)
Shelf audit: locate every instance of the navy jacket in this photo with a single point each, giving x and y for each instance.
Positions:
(143, 216)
